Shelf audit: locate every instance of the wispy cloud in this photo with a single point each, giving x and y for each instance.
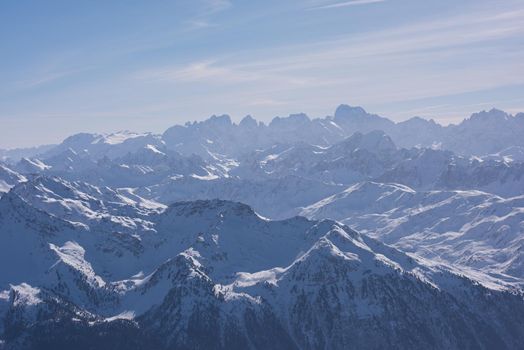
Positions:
(420, 60)
(200, 71)
(216, 72)
(41, 79)
(198, 24)
(265, 102)
(206, 9)
(213, 6)
(46, 76)
(437, 41)
(346, 4)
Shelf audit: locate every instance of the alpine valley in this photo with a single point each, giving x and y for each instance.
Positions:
(345, 232)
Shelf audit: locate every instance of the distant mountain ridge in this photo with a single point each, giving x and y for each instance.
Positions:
(483, 133)
(144, 160)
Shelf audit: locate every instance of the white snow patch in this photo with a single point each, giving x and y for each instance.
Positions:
(207, 177)
(126, 315)
(154, 149)
(26, 294)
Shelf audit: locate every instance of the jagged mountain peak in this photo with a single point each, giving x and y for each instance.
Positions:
(175, 270)
(347, 111)
(223, 120)
(297, 119)
(356, 117)
(492, 115)
(340, 253)
(419, 122)
(248, 122)
(376, 142)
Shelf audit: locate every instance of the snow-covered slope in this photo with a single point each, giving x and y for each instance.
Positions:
(9, 178)
(44, 214)
(485, 132)
(214, 274)
(465, 228)
(145, 166)
(510, 154)
(277, 198)
(79, 202)
(433, 169)
(361, 156)
(15, 154)
(98, 146)
(373, 156)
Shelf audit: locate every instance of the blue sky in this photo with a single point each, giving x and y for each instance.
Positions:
(101, 66)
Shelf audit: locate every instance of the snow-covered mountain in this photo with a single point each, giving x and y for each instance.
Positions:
(510, 154)
(289, 175)
(350, 147)
(145, 166)
(374, 156)
(214, 274)
(137, 240)
(353, 159)
(276, 198)
(15, 154)
(483, 133)
(472, 229)
(105, 145)
(433, 169)
(486, 132)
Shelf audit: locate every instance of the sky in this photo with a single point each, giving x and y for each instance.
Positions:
(103, 66)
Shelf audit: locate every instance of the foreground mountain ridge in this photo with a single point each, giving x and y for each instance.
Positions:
(201, 264)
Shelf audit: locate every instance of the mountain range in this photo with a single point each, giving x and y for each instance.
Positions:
(215, 274)
(350, 231)
(484, 133)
